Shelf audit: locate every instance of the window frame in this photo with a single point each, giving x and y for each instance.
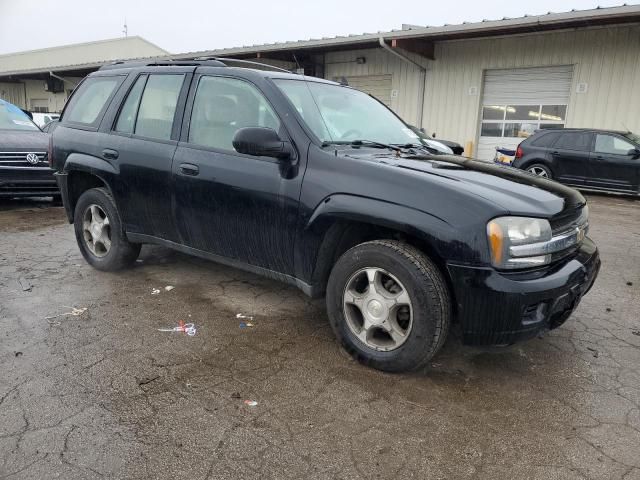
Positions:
(177, 115)
(614, 135)
(95, 126)
(504, 121)
(188, 111)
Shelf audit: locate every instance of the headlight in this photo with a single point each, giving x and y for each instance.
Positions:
(519, 242)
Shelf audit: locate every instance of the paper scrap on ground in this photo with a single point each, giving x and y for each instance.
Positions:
(250, 403)
(240, 315)
(75, 312)
(168, 288)
(155, 291)
(188, 328)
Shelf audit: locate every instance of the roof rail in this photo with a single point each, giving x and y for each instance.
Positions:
(224, 60)
(196, 62)
(161, 63)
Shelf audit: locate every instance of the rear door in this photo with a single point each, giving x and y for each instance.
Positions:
(238, 206)
(570, 155)
(611, 166)
(142, 143)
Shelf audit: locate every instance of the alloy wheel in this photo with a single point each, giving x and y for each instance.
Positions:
(377, 309)
(539, 171)
(96, 230)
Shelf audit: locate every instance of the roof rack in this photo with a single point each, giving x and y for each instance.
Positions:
(243, 62)
(161, 63)
(196, 62)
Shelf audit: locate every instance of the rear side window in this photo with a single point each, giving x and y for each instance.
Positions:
(158, 106)
(90, 101)
(127, 118)
(580, 141)
(545, 140)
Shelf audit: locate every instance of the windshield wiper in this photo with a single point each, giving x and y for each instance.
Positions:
(361, 143)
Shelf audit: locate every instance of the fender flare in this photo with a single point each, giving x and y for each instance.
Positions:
(322, 233)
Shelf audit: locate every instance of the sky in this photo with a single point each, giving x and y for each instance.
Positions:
(193, 25)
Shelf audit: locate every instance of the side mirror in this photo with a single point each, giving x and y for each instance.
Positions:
(261, 142)
(634, 153)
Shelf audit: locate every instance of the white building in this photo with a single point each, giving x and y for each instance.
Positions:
(41, 80)
(483, 84)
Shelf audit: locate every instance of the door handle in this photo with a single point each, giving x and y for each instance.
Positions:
(555, 152)
(189, 169)
(109, 154)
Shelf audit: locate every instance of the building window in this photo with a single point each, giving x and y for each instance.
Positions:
(520, 121)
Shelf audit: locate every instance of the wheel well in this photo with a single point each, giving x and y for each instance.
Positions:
(80, 182)
(342, 236)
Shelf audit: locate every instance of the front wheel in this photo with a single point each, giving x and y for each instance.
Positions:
(389, 305)
(99, 232)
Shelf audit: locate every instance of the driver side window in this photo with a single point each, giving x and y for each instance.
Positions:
(222, 106)
(612, 145)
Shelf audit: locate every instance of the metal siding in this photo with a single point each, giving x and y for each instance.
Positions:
(13, 93)
(377, 85)
(607, 59)
(405, 78)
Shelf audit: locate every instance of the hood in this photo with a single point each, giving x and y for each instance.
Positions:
(515, 191)
(23, 141)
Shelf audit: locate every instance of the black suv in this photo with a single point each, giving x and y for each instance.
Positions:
(588, 159)
(320, 186)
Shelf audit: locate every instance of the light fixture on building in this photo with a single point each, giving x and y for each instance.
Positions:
(361, 60)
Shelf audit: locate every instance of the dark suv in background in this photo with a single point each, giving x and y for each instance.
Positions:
(323, 187)
(590, 159)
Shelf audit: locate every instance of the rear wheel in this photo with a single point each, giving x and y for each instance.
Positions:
(389, 305)
(99, 232)
(539, 170)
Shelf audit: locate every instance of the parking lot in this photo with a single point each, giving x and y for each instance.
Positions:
(104, 394)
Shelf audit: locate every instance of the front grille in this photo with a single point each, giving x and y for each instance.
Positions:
(566, 221)
(19, 159)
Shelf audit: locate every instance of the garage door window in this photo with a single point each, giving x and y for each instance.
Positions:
(520, 121)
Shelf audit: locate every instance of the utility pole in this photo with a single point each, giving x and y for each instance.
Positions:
(125, 29)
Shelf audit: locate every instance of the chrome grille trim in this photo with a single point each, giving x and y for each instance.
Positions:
(20, 158)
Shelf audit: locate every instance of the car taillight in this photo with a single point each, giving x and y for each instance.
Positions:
(519, 152)
(50, 151)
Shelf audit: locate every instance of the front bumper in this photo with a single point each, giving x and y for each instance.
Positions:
(496, 308)
(27, 182)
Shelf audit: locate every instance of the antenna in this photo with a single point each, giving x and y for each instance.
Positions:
(125, 29)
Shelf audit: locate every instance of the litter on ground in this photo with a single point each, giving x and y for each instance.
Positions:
(168, 288)
(155, 291)
(240, 315)
(75, 312)
(246, 325)
(250, 403)
(188, 328)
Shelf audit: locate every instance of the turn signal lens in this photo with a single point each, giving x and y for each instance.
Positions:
(496, 242)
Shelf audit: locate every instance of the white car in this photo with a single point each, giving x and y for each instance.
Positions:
(41, 119)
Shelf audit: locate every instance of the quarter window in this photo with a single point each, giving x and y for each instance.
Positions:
(127, 118)
(222, 106)
(612, 145)
(91, 100)
(158, 106)
(520, 121)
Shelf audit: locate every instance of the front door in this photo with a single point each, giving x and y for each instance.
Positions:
(612, 164)
(142, 142)
(570, 156)
(230, 204)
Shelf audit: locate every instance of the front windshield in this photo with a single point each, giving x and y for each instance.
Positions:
(12, 118)
(633, 137)
(340, 114)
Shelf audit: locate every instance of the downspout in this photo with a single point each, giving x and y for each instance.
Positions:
(62, 79)
(423, 75)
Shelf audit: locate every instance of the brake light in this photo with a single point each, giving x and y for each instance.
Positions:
(519, 152)
(50, 151)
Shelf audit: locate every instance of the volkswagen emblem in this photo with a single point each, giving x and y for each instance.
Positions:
(32, 158)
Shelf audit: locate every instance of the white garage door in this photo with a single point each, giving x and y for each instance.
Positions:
(377, 85)
(516, 102)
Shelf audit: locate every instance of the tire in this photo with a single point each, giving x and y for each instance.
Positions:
(97, 203)
(393, 263)
(540, 170)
